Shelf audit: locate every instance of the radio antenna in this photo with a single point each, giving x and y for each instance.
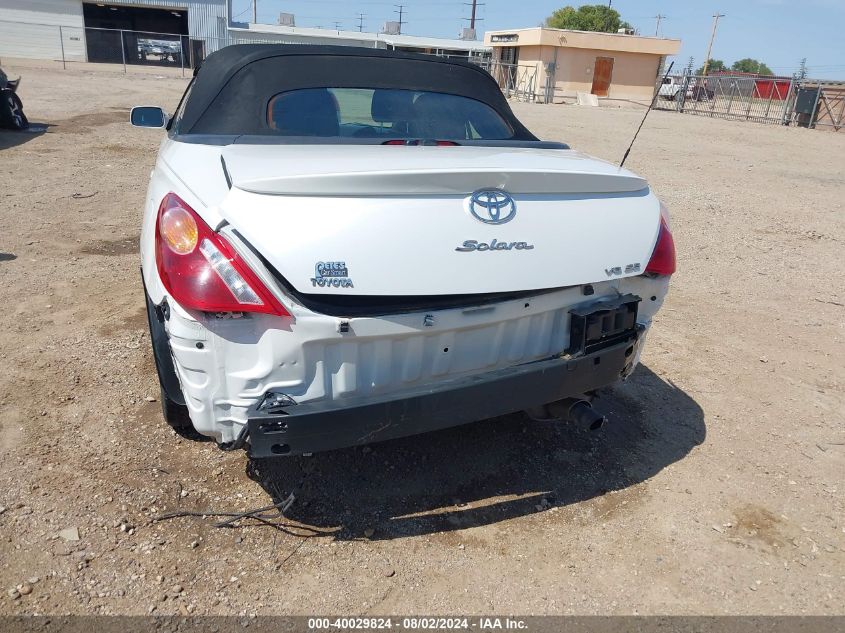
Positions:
(650, 106)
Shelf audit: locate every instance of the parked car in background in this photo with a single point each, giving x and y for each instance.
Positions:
(671, 86)
(165, 50)
(345, 245)
(700, 91)
(694, 88)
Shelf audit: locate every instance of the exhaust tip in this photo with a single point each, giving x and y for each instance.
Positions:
(582, 412)
(575, 410)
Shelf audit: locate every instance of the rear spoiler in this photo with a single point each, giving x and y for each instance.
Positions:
(423, 170)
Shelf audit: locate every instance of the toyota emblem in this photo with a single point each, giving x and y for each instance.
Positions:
(492, 206)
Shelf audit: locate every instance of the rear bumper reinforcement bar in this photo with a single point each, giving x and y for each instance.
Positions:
(294, 429)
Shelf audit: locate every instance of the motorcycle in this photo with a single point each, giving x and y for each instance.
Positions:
(11, 107)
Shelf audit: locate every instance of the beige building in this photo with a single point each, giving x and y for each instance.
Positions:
(541, 64)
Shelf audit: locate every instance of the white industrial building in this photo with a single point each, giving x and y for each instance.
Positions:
(174, 32)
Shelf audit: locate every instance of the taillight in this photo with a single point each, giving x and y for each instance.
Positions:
(201, 270)
(662, 260)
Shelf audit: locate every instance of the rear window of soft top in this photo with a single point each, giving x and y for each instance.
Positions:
(383, 113)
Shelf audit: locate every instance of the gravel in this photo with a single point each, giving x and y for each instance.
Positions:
(704, 434)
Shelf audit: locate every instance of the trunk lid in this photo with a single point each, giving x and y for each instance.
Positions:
(396, 220)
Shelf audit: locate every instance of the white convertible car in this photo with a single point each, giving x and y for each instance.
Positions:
(345, 245)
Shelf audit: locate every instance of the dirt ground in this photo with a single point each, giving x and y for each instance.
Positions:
(716, 488)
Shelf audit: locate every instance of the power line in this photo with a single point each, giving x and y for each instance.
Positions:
(441, 19)
(658, 17)
(327, 19)
(244, 12)
(384, 2)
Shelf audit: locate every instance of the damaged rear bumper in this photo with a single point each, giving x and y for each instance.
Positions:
(294, 429)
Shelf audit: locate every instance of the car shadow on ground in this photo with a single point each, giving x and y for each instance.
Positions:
(13, 138)
(489, 471)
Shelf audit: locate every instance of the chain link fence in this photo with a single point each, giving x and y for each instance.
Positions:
(516, 81)
(125, 49)
(131, 50)
(780, 100)
(760, 99)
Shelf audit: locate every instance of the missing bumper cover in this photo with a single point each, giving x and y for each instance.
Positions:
(325, 425)
(602, 324)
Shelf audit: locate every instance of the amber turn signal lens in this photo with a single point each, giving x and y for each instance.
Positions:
(178, 230)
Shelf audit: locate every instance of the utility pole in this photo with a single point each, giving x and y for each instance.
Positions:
(710, 45)
(658, 17)
(337, 26)
(401, 8)
(255, 11)
(360, 22)
(690, 65)
(473, 19)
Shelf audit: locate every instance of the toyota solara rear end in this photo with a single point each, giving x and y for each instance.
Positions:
(342, 246)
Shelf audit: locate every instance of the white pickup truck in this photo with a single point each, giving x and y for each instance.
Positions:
(672, 86)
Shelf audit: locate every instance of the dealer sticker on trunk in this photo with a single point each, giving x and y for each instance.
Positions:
(331, 275)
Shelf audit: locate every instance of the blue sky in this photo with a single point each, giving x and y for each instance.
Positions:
(777, 32)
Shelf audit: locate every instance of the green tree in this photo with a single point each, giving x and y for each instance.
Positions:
(749, 65)
(715, 65)
(587, 17)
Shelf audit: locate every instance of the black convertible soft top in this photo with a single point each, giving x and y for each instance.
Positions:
(232, 88)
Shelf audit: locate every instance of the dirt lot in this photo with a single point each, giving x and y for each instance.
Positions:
(717, 487)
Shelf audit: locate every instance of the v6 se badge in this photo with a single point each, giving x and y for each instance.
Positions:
(619, 270)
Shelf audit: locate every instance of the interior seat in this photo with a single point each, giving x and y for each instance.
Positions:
(309, 112)
(435, 117)
(393, 107)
